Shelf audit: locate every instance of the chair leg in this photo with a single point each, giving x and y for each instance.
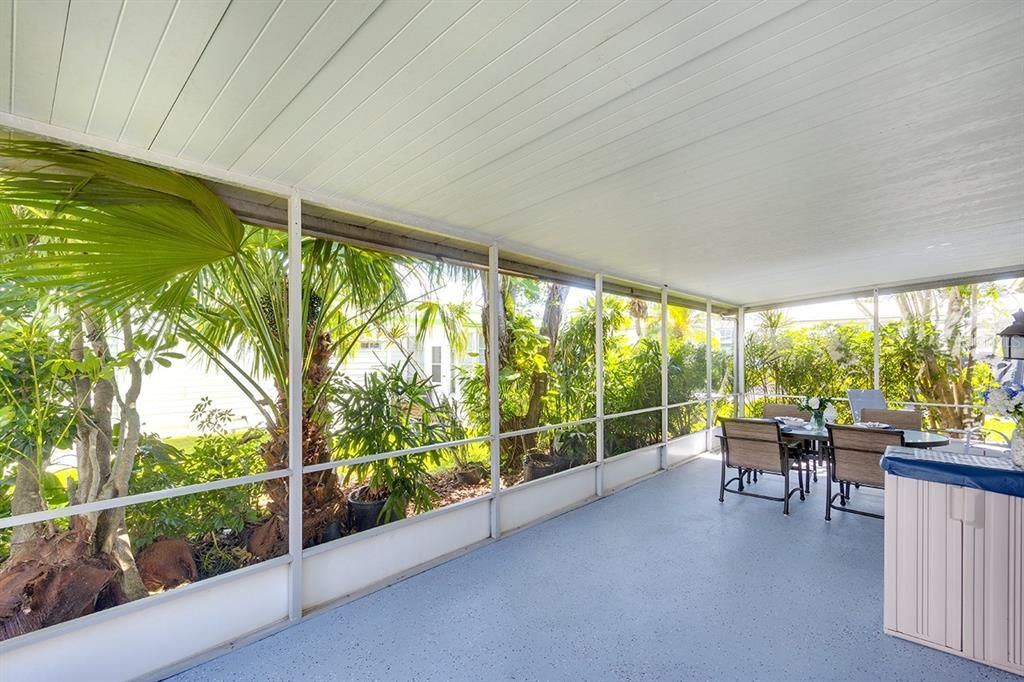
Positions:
(755, 475)
(740, 486)
(721, 485)
(828, 491)
(785, 487)
(801, 479)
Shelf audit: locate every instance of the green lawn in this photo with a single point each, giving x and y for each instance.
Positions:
(184, 443)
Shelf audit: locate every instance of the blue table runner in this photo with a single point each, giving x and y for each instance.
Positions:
(994, 473)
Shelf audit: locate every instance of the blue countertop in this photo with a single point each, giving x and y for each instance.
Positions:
(994, 473)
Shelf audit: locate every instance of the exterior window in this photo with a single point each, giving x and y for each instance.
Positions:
(369, 345)
(435, 364)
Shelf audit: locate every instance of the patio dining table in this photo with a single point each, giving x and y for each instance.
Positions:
(912, 439)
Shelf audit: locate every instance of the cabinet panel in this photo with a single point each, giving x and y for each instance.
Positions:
(1002, 585)
(924, 553)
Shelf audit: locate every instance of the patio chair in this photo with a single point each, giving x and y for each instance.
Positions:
(757, 445)
(859, 399)
(901, 419)
(772, 410)
(853, 458)
(810, 452)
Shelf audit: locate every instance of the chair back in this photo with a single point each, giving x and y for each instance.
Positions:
(772, 410)
(856, 452)
(901, 419)
(752, 444)
(859, 399)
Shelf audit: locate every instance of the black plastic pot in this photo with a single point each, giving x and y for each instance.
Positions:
(540, 464)
(363, 514)
(470, 476)
(332, 531)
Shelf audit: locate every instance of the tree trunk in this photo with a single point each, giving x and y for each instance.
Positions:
(513, 449)
(322, 499)
(946, 365)
(102, 476)
(549, 328)
(27, 498)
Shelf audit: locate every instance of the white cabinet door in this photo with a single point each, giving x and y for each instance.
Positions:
(923, 561)
(998, 586)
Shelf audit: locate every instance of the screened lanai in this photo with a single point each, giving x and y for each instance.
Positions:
(511, 339)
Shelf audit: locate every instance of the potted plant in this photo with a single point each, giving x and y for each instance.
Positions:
(467, 471)
(391, 410)
(573, 446)
(569, 448)
(538, 464)
(389, 487)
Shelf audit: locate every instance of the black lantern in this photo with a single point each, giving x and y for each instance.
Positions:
(1013, 338)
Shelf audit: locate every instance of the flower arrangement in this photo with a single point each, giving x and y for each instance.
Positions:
(1006, 401)
(816, 405)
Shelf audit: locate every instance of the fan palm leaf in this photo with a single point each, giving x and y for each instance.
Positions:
(108, 230)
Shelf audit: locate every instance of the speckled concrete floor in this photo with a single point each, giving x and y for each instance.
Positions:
(657, 582)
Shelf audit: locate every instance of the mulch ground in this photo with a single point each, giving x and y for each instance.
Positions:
(450, 490)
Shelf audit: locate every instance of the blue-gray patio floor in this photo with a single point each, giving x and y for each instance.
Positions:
(657, 582)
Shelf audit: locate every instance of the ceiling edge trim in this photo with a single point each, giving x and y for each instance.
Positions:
(970, 277)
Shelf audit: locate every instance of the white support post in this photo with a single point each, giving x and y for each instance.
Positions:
(709, 438)
(878, 347)
(741, 358)
(664, 377)
(493, 301)
(295, 356)
(599, 366)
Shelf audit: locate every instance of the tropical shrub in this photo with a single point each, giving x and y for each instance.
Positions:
(919, 361)
(392, 409)
(216, 454)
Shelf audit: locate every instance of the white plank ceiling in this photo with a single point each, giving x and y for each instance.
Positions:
(755, 151)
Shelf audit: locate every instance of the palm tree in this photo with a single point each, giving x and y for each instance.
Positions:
(114, 236)
(638, 311)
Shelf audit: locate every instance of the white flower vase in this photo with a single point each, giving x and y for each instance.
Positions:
(1017, 446)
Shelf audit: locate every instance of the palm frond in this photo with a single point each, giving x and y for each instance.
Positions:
(111, 232)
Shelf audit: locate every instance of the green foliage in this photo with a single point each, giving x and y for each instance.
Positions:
(576, 445)
(391, 410)
(103, 220)
(572, 394)
(918, 362)
(632, 375)
(217, 454)
(37, 411)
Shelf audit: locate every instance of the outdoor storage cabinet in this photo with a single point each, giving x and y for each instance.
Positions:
(954, 570)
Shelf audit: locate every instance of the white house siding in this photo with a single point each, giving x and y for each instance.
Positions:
(169, 394)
